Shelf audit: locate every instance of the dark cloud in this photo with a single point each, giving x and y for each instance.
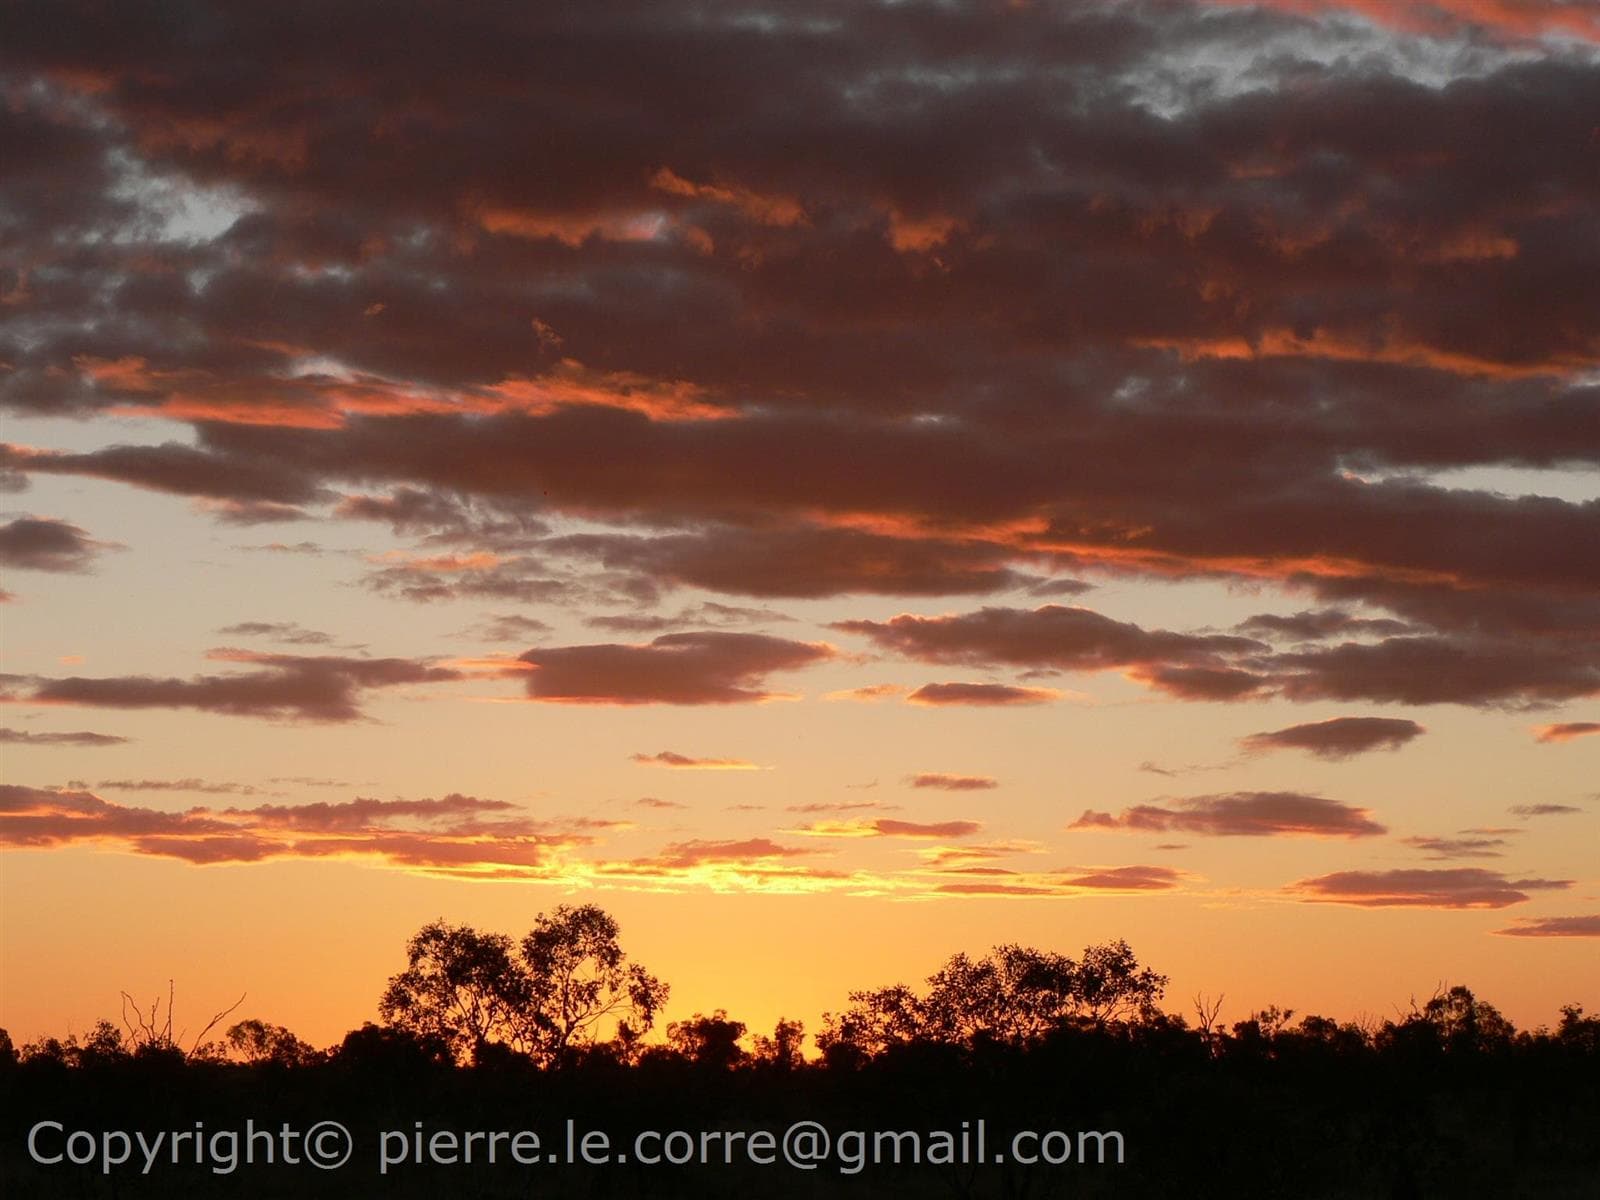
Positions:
(1441, 670)
(46, 544)
(676, 668)
(1068, 638)
(980, 694)
(24, 737)
(952, 783)
(915, 300)
(1453, 887)
(806, 562)
(1338, 738)
(1544, 810)
(326, 688)
(1241, 814)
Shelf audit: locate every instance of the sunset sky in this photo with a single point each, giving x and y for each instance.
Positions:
(833, 483)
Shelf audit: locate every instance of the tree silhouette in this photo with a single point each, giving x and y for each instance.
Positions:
(784, 1050)
(461, 987)
(1448, 1099)
(547, 997)
(1015, 996)
(578, 978)
(708, 1041)
(259, 1044)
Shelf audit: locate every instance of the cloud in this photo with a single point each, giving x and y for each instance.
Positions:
(1201, 683)
(871, 694)
(670, 758)
(706, 613)
(1241, 814)
(980, 694)
(982, 881)
(455, 832)
(287, 632)
(1556, 927)
(952, 783)
(886, 827)
(1454, 887)
(46, 544)
(1339, 738)
(676, 668)
(1314, 624)
(1531, 20)
(872, 341)
(512, 627)
(836, 806)
(1543, 810)
(288, 687)
(177, 785)
(657, 802)
(1440, 670)
(1565, 731)
(805, 561)
(24, 737)
(1458, 847)
(698, 851)
(1053, 636)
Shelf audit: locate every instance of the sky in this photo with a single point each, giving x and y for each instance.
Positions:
(834, 484)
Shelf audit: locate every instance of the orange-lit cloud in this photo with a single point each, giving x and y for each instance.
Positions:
(980, 694)
(1505, 18)
(452, 831)
(1565, 731)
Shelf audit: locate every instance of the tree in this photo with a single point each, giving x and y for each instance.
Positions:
(261, 1044)
(708, 1041)
(1466, 1023)
(567, 982)
(578, 978)
(783, 1050)
(1015, 995)
(460, 986)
